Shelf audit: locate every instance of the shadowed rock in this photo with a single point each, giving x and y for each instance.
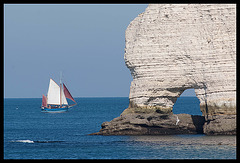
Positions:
(152, 124)
(173, 47)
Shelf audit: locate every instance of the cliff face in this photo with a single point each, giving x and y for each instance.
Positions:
(173, 47)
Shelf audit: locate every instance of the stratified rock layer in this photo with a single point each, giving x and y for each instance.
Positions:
(174, 47)
(153, 124)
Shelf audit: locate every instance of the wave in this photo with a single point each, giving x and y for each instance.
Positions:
(24, 141)
(46, 141)
(37, 141)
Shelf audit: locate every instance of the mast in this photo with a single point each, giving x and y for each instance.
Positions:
(60, 88)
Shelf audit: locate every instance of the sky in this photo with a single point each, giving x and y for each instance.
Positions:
(83, 41)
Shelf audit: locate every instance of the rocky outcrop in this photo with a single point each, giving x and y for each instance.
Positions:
(174, 47)
(153, 124)
(220, 125)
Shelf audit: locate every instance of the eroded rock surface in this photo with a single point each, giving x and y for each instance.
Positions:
(220, 125)
(174, 47)
(153, 124)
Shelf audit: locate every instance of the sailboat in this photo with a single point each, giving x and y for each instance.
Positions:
(56, 101)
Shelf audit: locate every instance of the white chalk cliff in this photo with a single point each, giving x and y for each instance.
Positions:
(173, 47)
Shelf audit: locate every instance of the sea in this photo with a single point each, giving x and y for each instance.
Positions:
(31, 134)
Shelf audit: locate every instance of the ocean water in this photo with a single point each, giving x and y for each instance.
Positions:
(189, 105)
(30, 134)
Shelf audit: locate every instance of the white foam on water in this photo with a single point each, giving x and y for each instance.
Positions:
(24, 141)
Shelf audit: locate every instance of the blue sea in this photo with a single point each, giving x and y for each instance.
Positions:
(30, 134)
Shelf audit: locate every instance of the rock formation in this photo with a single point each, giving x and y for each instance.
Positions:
(153, 124)
(174, 47)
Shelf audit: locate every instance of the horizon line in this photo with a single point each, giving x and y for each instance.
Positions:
(88, 97)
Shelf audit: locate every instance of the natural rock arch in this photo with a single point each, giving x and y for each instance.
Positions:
(193, 47)
(171, 48)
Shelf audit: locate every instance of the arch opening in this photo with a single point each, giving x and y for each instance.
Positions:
(187, 103)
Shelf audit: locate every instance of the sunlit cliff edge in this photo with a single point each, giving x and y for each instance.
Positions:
(171, 48)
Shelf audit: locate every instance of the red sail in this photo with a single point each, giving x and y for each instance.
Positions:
(67, 93)
(44, 101)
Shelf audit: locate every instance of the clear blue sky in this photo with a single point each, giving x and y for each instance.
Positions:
(85, 42)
